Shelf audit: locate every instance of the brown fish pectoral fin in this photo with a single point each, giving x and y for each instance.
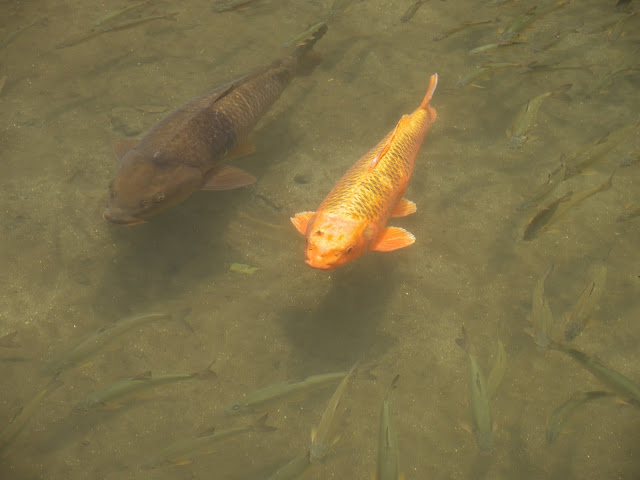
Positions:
(403, 208)
(301, 220)
(242, 149)
(121, 147)
(228, 178)
(393, 238)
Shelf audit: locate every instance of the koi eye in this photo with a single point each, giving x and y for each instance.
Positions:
(159, 197)
(350, 249)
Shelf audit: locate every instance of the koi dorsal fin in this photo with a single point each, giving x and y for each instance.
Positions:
(387, 145)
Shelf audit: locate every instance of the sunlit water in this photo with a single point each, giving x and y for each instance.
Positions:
(66, 272)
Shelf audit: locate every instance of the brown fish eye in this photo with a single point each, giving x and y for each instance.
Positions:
(159, 197)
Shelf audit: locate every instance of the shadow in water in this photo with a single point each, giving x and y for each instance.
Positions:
(161, 260)
(342, 329)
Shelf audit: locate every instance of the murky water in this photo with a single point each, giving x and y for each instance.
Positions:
(67, 273)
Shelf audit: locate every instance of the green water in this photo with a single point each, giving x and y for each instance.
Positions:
(66, 272)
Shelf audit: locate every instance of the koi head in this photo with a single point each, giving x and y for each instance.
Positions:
(333, 241)
(143, 186)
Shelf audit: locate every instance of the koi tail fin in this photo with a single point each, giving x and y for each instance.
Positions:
(433, 82)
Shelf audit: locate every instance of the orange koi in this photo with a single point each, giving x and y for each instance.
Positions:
(352, 218)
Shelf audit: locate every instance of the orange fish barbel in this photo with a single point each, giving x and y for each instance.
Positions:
(352, 218)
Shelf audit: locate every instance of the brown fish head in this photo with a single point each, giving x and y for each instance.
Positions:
(145, 185)
(333, 240)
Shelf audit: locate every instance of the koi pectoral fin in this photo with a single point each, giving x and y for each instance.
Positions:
(227, 178)
(393, 238)
(403, 208)
(301, 220)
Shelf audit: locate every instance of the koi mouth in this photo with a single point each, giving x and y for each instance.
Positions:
(320, 266)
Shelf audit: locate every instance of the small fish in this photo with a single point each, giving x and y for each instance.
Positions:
(352, 218)
(581, 313)
(606, 79)
(579, 161)
(243, 268)
(481, 70)
(337, 7)
(480, 398)
(15, 34)
(411, 11)
(184, 152)
(623, 386)
(229, 6)
(140, 21)
(6, 341)
(537, 67)
(105, 28)
(617, 29)
(181, 452)
(110, 17)
(556, 38)
(265, 397)
(534, 13)
(559, 207)
(605, 25)
(111, 394)
(11, 431)
(526, 118)
(461, 26)
(301, 36)
(561, 414)
(324, 436)
(387, 442)
(553, 180)
(630, 212)
(293, 469)
(94, 342)
(541, 220)
(471, 76)
(541, 315)
(489, 47)
(496, 375)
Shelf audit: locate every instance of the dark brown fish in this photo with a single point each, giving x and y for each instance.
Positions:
(184, 152)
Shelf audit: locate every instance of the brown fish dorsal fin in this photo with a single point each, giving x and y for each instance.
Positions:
(227, 177)
(301, 220)
(392, 238)
(121, 147)
(387, 145)
(403, 208)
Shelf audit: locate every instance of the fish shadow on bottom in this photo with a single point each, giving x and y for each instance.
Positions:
(171, 254)
(342, 329)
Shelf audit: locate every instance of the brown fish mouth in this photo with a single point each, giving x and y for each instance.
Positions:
(126, 220)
